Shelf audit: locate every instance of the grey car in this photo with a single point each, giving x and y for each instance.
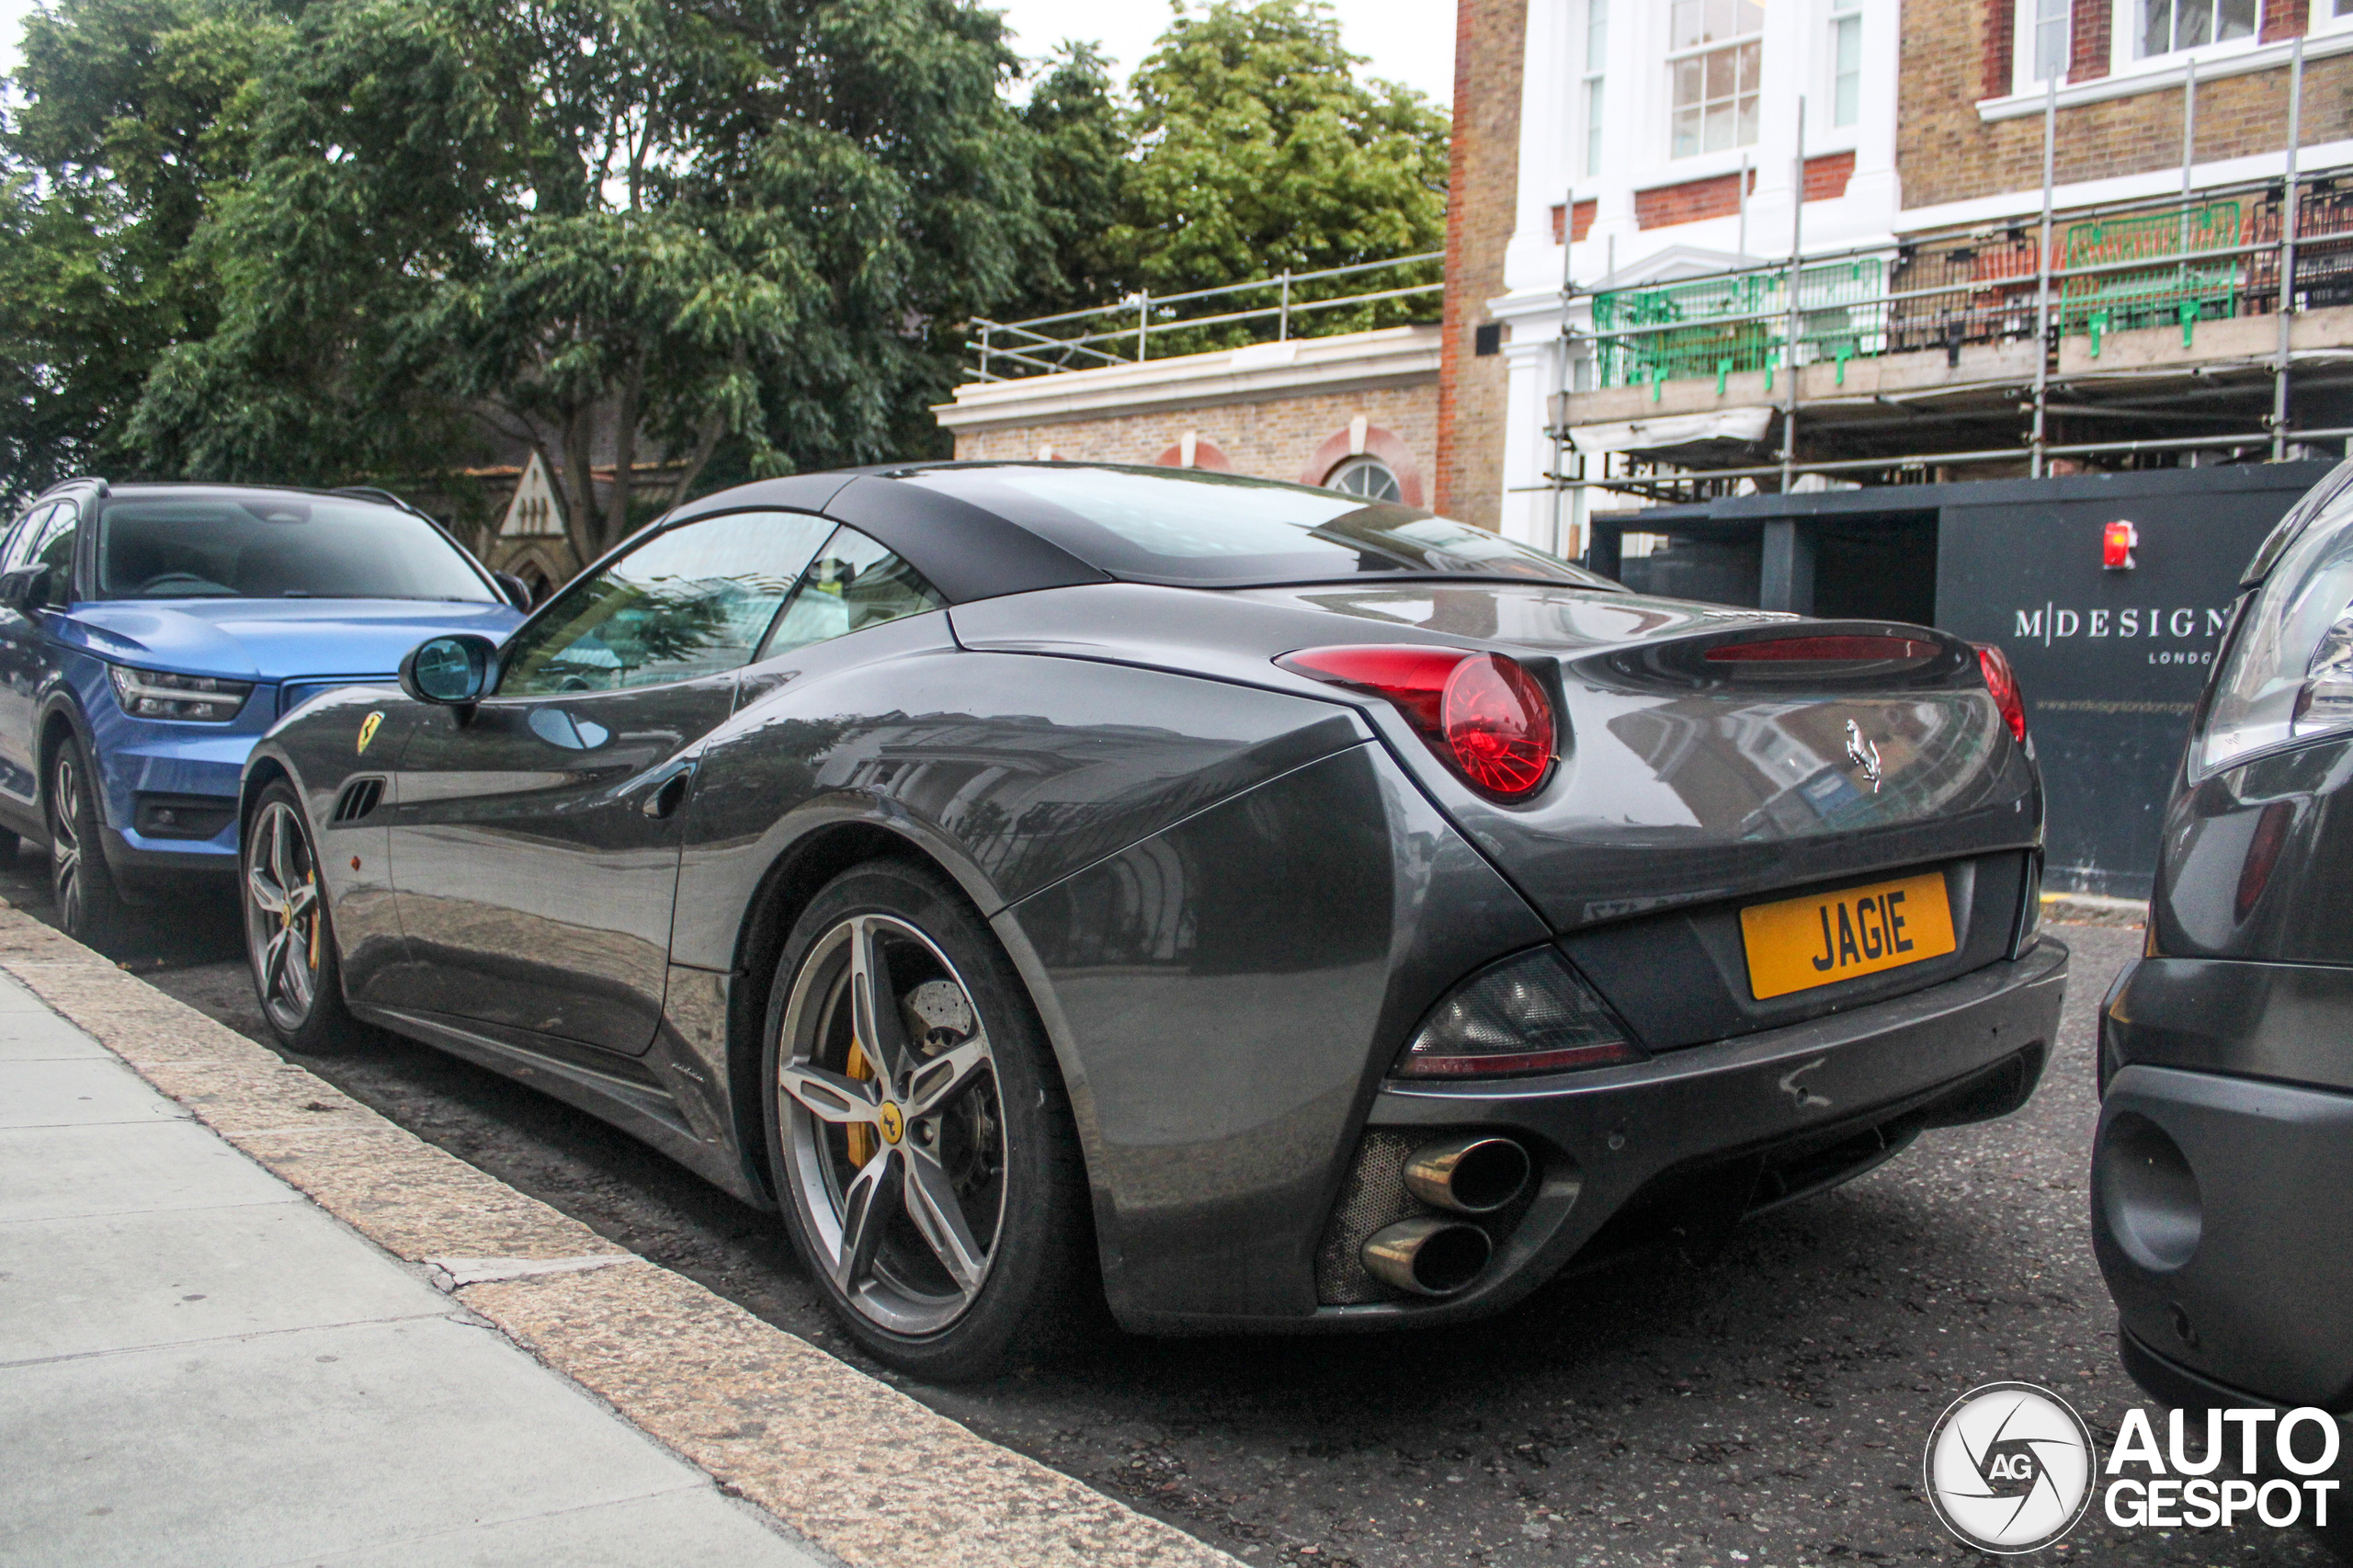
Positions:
(1270, 910)
(2225, 1141)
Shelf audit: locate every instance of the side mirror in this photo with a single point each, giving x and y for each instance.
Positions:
(24, 589)
(517, 592)
(456, 671)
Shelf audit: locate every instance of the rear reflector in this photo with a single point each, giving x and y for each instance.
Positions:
(1824, 650)
(1482, 712)
(1530, 1014)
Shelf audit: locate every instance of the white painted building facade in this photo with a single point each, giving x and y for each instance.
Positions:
(1625, 99)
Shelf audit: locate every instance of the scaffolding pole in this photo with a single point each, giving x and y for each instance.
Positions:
(2289, 224)
(2037, 465)
(1560, 404)
(1797, 258)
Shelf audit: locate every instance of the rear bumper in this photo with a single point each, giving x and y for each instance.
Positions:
(2219, 1221)
(1710, 1133)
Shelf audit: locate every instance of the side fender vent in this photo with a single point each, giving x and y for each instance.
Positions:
(359, 798)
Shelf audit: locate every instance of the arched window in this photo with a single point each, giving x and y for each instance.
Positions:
(1368, 477)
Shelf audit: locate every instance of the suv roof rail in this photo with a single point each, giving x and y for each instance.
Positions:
(79, 479)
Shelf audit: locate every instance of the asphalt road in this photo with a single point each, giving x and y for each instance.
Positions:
(1769, 1408)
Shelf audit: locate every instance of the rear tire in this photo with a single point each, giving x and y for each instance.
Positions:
(290, 935)
(90, 908)
(937, 1196)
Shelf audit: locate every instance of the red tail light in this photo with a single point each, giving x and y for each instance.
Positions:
(1480, 711)
(2004, 685)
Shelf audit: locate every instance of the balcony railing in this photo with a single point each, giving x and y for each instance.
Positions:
(2122, 268)
(1273, 309)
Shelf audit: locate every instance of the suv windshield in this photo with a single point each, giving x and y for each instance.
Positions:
(268, 546)
(1183, 526)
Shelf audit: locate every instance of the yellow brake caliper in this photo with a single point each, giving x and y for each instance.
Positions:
(861, 1136)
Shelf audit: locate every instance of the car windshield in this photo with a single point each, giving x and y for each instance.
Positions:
(1164, 526)
(270, 547)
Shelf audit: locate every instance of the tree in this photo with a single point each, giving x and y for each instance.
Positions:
(585, 224)
(1083, 152)
(133, 117)
(1258, 150)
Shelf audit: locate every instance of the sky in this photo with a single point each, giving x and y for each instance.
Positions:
(1409, 40)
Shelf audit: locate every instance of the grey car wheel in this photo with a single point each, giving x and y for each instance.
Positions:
(920, 1138)
(895, 1124)
(290, 943)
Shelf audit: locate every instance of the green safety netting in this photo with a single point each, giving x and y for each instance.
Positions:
(1721, 326)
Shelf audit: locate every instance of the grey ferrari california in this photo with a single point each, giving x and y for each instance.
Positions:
(1290, 911)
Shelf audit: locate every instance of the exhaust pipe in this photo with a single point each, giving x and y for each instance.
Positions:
(1473, 1175)
(1427, 1256)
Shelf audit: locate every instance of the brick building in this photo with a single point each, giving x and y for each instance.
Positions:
(1658, 160)
(1357, 411)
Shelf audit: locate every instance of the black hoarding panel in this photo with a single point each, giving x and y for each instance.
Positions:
(2112, 662)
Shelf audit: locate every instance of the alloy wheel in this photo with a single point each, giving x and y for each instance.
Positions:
(65, 849)
(283, 929)
(894, 1127)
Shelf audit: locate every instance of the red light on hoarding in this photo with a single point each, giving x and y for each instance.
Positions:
(2116, 545)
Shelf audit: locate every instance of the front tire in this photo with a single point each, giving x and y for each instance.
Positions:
(90, 908)
(289, 941)
(922, 1149)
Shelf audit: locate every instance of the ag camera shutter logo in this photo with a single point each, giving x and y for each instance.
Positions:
(2009, 1468)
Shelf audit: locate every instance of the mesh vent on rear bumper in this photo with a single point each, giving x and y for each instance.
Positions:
(1374, 1195)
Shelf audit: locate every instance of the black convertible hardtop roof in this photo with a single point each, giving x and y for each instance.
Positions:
(1013, 543)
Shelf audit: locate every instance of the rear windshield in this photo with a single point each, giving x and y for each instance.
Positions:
(270, 547)
(1160, 526)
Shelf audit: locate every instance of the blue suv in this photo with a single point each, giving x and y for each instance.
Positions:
(149, 633)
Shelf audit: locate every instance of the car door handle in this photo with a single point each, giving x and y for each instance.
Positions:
(669, 794)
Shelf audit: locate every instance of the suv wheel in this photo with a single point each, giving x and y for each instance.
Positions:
(90, 909)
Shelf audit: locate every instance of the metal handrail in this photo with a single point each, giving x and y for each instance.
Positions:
(1144, 304)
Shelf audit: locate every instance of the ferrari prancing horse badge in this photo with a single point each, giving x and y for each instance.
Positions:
(367, 730)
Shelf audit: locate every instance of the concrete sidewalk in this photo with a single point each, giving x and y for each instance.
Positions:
(197, 1365)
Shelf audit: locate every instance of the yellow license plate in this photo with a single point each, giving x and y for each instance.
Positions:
(1822, 938)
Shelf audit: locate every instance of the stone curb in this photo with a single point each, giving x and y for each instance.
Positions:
(850, 1464)
(2093, 909)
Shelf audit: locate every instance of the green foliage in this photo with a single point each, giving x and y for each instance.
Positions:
(1260, 150)
(579, 224)
(327, 240)
(1250, 147)
(134, 116)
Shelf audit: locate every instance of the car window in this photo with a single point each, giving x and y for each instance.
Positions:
(853, 584)
(54, 547)
(1186, 526)
(262, 546)
(21, 537)
(692, 600)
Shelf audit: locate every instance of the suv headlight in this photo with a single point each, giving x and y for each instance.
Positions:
(158, 694)
(2287, 664)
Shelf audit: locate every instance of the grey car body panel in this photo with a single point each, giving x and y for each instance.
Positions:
(1664, 796)
(1681, 978)
(1233, 891)
(1019, 771)
(2258, 1293)
(1604, 1138)
(504, 823)
(2219, 896)
(1233, 989)
(2224, 1061)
